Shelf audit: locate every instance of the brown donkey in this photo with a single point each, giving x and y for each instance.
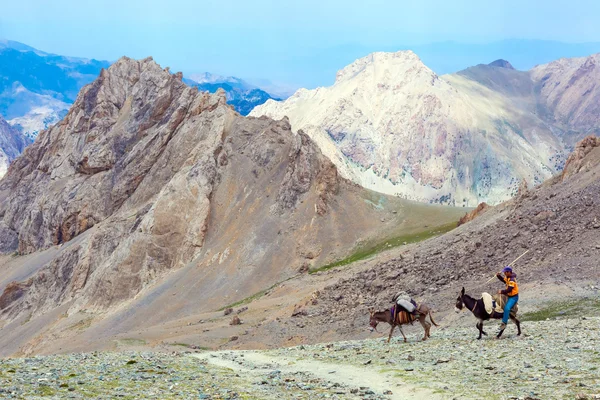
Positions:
(402, 318)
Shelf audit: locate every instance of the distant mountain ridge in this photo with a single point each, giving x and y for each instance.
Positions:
(240, 94)
(393, 125)
(37, 88)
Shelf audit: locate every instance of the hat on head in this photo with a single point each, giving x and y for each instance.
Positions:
(507, 269)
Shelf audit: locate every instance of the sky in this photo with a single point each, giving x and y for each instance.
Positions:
(301, 43)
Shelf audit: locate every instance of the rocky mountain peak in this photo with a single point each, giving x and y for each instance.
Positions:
(500, 63)
(116, 128)
(386, 68)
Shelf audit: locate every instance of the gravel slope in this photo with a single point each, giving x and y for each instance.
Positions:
(554, 359)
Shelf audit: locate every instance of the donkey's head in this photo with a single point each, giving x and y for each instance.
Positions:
(372, 320)
(459, 301)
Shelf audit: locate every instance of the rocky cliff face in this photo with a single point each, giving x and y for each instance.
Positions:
(149, 189)
(392, 125)
(12, 143)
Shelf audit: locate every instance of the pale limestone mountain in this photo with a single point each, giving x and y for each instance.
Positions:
(391, 124)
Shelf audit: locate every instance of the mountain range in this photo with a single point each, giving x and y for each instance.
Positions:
(240, 94)
(152, 200)
(37, 88)
(391, 124)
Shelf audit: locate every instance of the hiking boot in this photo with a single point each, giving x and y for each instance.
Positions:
(502, 326)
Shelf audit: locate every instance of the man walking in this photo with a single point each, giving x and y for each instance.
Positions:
(511, 291)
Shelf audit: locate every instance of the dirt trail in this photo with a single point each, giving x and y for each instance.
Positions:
(255, 364)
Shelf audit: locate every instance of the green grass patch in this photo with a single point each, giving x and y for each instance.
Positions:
(247, 300)
(131, 342)
(370, 250)
(255, 296)
(46, 391)
(565, 309)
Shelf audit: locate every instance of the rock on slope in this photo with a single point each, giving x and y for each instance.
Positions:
(12, 143)
(391, 124)
(148, 189)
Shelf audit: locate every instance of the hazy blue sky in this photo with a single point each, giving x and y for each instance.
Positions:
(300, 42)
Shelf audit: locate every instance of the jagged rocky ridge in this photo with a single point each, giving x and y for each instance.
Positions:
(146, 176)
(391, 124)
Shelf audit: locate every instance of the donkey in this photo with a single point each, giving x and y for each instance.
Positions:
(478, 309)
(402, 318)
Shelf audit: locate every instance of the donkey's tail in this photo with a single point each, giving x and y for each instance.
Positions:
(431, 318)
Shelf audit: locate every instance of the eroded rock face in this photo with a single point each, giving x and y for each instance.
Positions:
(136, 147)
(83, 169)
(470, 216)
(585, 156)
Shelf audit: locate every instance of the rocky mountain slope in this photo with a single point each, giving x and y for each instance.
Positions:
(569, 93)
(391, 124)
(12, 143)
(151, 201)
(558, 222)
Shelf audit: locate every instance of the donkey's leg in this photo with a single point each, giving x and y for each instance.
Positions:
(518, 323)
(480, 327)
(402, 332)
(482, 331)
(500, 332)
(391, 331)
(425, 327)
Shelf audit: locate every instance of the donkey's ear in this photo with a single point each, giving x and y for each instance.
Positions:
(462, 292)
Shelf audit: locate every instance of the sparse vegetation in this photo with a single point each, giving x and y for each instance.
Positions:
(370, 250)
(131, 342)
(566, 309)
(250, 299)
